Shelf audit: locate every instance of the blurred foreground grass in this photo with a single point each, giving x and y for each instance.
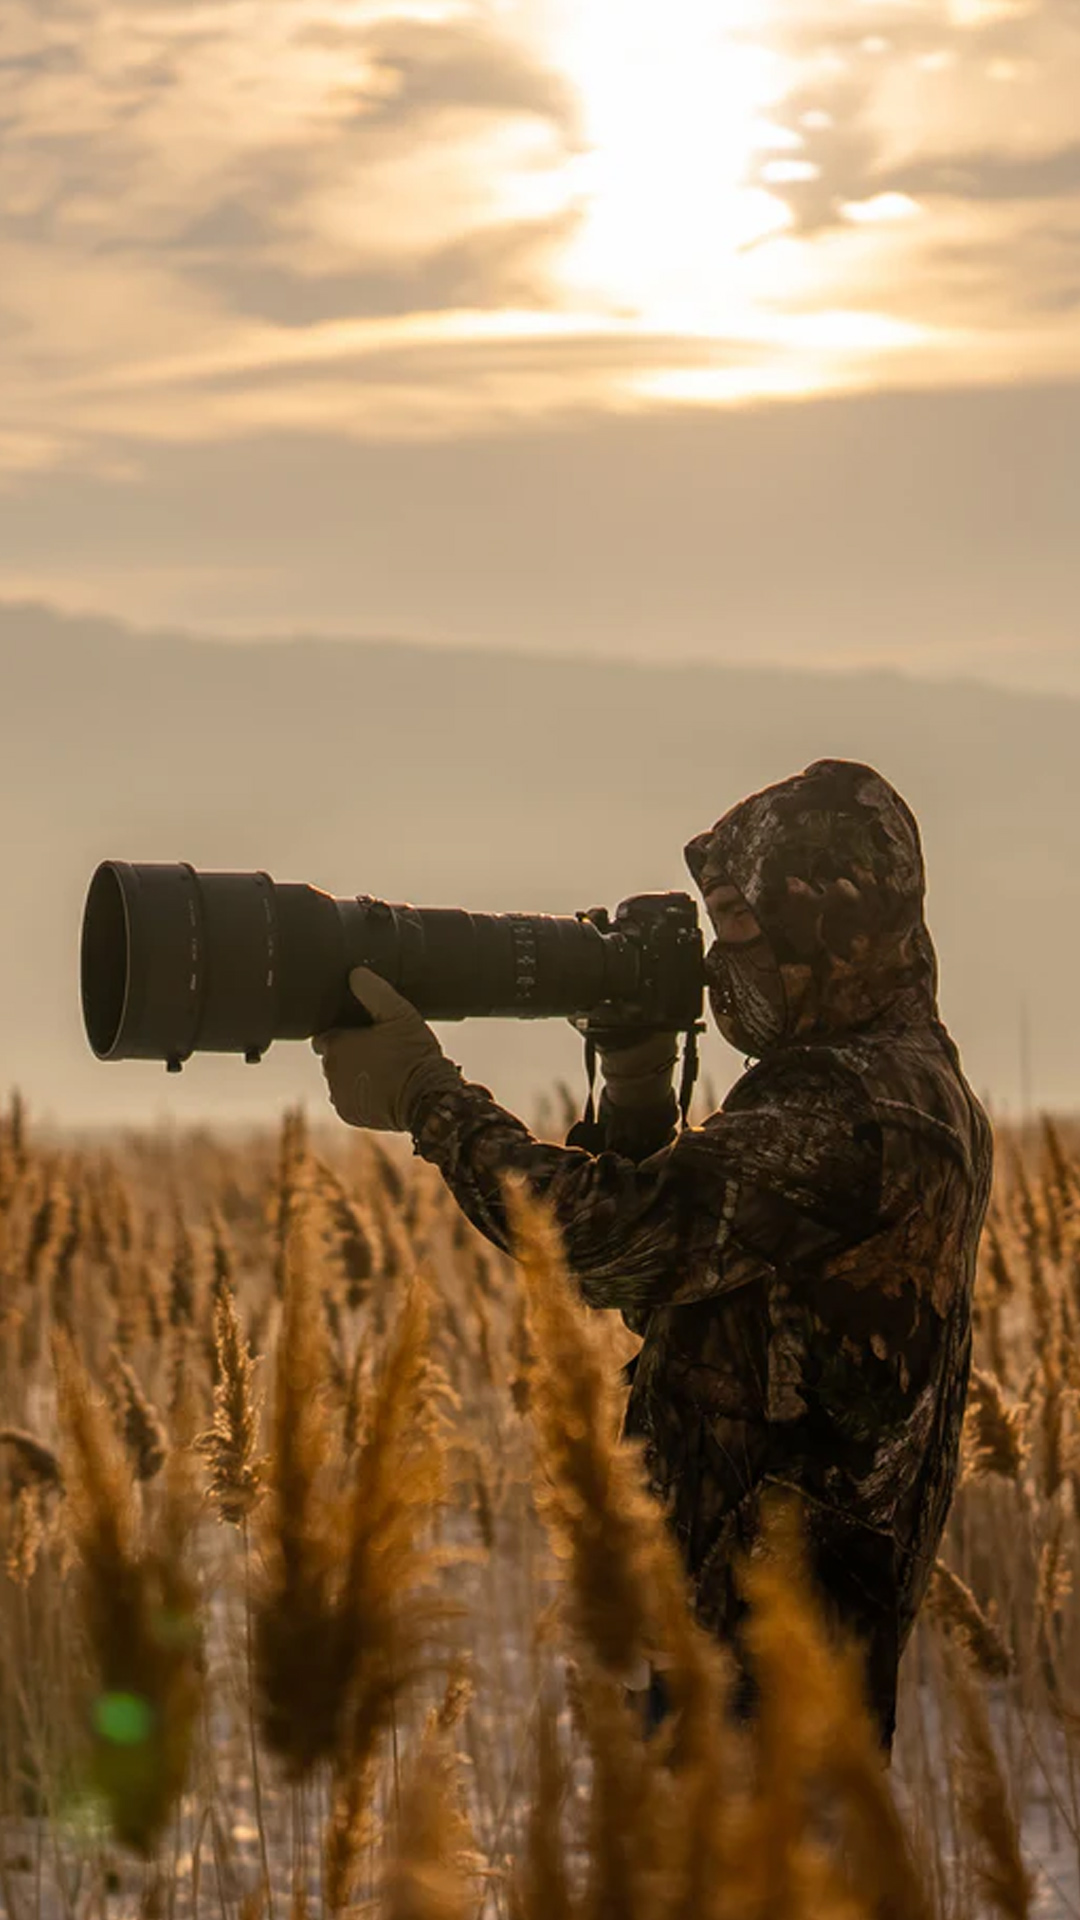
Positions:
(324, 1574)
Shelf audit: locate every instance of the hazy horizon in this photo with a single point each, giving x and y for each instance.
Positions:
(938, 534)
(85, 620)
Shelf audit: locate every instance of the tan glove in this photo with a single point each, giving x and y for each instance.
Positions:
(637, 1067)
(639, 1075)
(376, 1074)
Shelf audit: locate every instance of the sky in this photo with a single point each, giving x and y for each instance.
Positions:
(713, 329)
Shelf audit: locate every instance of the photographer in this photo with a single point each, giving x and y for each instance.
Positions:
(800, 1266)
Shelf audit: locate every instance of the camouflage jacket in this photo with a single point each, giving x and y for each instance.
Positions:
(800, 1266)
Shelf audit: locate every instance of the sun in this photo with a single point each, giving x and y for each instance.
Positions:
(673, 97)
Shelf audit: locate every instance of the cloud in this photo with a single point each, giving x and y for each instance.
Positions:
(501, 264)
(414, 196)
(177, 179)
(940, 159)
(984, 175)
(969, 99)
(247, 136)
(343, 215)
(433, 64)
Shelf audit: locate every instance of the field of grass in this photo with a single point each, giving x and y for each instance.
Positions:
(323, 1575)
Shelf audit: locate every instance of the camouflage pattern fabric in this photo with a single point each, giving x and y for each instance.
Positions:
(800, 1266)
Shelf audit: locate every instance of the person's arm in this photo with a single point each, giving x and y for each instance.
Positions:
(796, 1165)
(637, 1110)
(622, 1225)
(789, 1161)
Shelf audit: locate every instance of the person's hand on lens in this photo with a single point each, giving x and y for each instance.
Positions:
(376, 1075)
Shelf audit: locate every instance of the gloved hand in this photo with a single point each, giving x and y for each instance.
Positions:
(377, 1074)
(637, 1067)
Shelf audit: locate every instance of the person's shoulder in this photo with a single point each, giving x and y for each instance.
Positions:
(817, 1074)
(801, 1104)
(922, 1091)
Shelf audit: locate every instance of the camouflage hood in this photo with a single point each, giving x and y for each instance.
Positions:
(831, 865)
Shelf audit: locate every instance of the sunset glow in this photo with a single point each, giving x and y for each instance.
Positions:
(672, 102)
(437, 216)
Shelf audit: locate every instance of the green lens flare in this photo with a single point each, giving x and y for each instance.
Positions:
(123, 1718)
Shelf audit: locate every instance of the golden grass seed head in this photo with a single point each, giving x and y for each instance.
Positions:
(139, 1424)
(342, 1627)
(222, 1257)
(17, 1126)
(294, 1615)
(1056, 1404)
(955, 1606)
(48, 1232)
(139, 1609)
(997, 1262)
(391, 1619)
(458, 1696)
(30, 1462)
(816, 1746)
(24, 1534)
(995, 1431)
(351, 1827)
(988, 1815)
(1055, 1580)
(389, 1174)
(230, 1446)
(591, 1494)
(354, 1235)
(427, 1877)
(1060, 1186)
(182, 1275)
(290, 1190)
(541, 1885)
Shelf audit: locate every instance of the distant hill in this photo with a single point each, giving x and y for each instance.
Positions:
(493, 780)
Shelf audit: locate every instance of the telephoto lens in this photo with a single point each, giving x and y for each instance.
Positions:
(176, 962)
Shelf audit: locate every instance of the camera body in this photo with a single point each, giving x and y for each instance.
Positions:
(176, 962)
(664, 930)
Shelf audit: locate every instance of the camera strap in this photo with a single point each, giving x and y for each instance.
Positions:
(690, 1066)
(587, 1132)
(588, 1118)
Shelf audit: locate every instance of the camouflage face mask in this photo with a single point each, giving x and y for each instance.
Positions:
(746, 994)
